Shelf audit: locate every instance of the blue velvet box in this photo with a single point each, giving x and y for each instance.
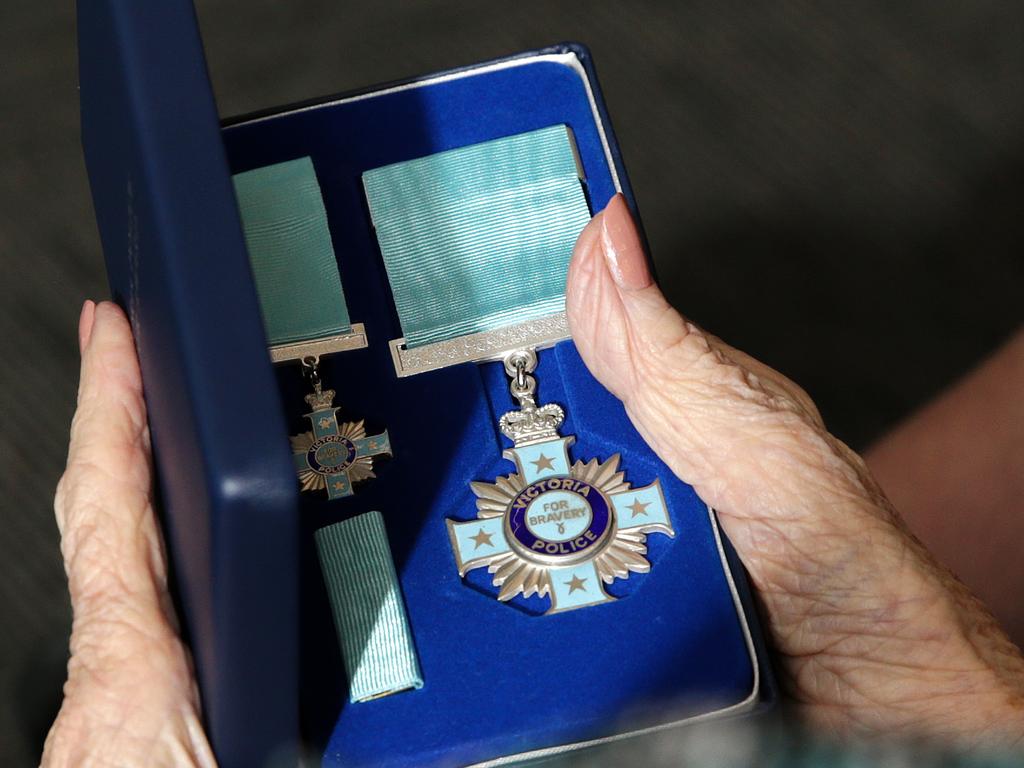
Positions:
(499, 679)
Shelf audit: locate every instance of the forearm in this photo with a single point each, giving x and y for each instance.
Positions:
(955, 470)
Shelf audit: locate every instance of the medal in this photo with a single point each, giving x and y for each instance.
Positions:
(553, 529)
(305, 315)
(476, 242)
(333, 455)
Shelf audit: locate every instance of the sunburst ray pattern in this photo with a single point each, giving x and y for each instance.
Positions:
(360, 469)
(623, 554)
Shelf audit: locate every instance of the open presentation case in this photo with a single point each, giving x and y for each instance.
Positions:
(500, 680)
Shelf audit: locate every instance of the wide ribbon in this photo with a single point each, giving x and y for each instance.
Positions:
(480, 237)
(293, 262)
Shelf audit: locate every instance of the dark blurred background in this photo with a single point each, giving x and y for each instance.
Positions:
(836, 188)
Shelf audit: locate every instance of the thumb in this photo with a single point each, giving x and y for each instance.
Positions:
(801, 509)
(699, 403)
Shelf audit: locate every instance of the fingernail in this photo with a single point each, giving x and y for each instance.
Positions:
(85, 323)
(623, 251)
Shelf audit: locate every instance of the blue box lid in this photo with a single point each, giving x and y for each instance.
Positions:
(177, 262)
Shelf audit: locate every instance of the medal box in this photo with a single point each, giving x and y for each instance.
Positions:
(500, 680)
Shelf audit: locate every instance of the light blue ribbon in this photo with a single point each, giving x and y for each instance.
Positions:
(369, 614)
(293, 263)
(479, 237)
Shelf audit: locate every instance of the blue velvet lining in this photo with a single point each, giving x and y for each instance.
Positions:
(498, 678)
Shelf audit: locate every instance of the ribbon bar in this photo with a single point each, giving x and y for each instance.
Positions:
(369, 614)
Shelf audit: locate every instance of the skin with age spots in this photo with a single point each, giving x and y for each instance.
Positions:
(872, 634)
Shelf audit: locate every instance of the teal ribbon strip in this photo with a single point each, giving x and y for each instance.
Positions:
(369, 614)
(480, 237)
(293, 263)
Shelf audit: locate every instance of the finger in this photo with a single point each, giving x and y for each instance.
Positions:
(697, 401)
(130, 697)
(110, 541)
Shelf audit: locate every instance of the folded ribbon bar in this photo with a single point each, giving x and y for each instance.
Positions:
(369, 614)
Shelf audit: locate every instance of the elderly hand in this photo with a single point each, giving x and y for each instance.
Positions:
(872, 634)
(130, 698)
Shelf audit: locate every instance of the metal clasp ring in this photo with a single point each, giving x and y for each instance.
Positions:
(311, 369)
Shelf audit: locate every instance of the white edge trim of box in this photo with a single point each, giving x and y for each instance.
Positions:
(572, 61)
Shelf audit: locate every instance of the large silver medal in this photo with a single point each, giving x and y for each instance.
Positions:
(550, 529)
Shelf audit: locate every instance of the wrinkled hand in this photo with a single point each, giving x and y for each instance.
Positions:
(130, 698)
(873, 634)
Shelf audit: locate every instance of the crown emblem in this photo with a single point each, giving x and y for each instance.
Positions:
(532, 424)
(321, 399)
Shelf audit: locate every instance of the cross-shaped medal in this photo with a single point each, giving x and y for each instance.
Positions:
(555, 529)
(556, 508)
(335, 455)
